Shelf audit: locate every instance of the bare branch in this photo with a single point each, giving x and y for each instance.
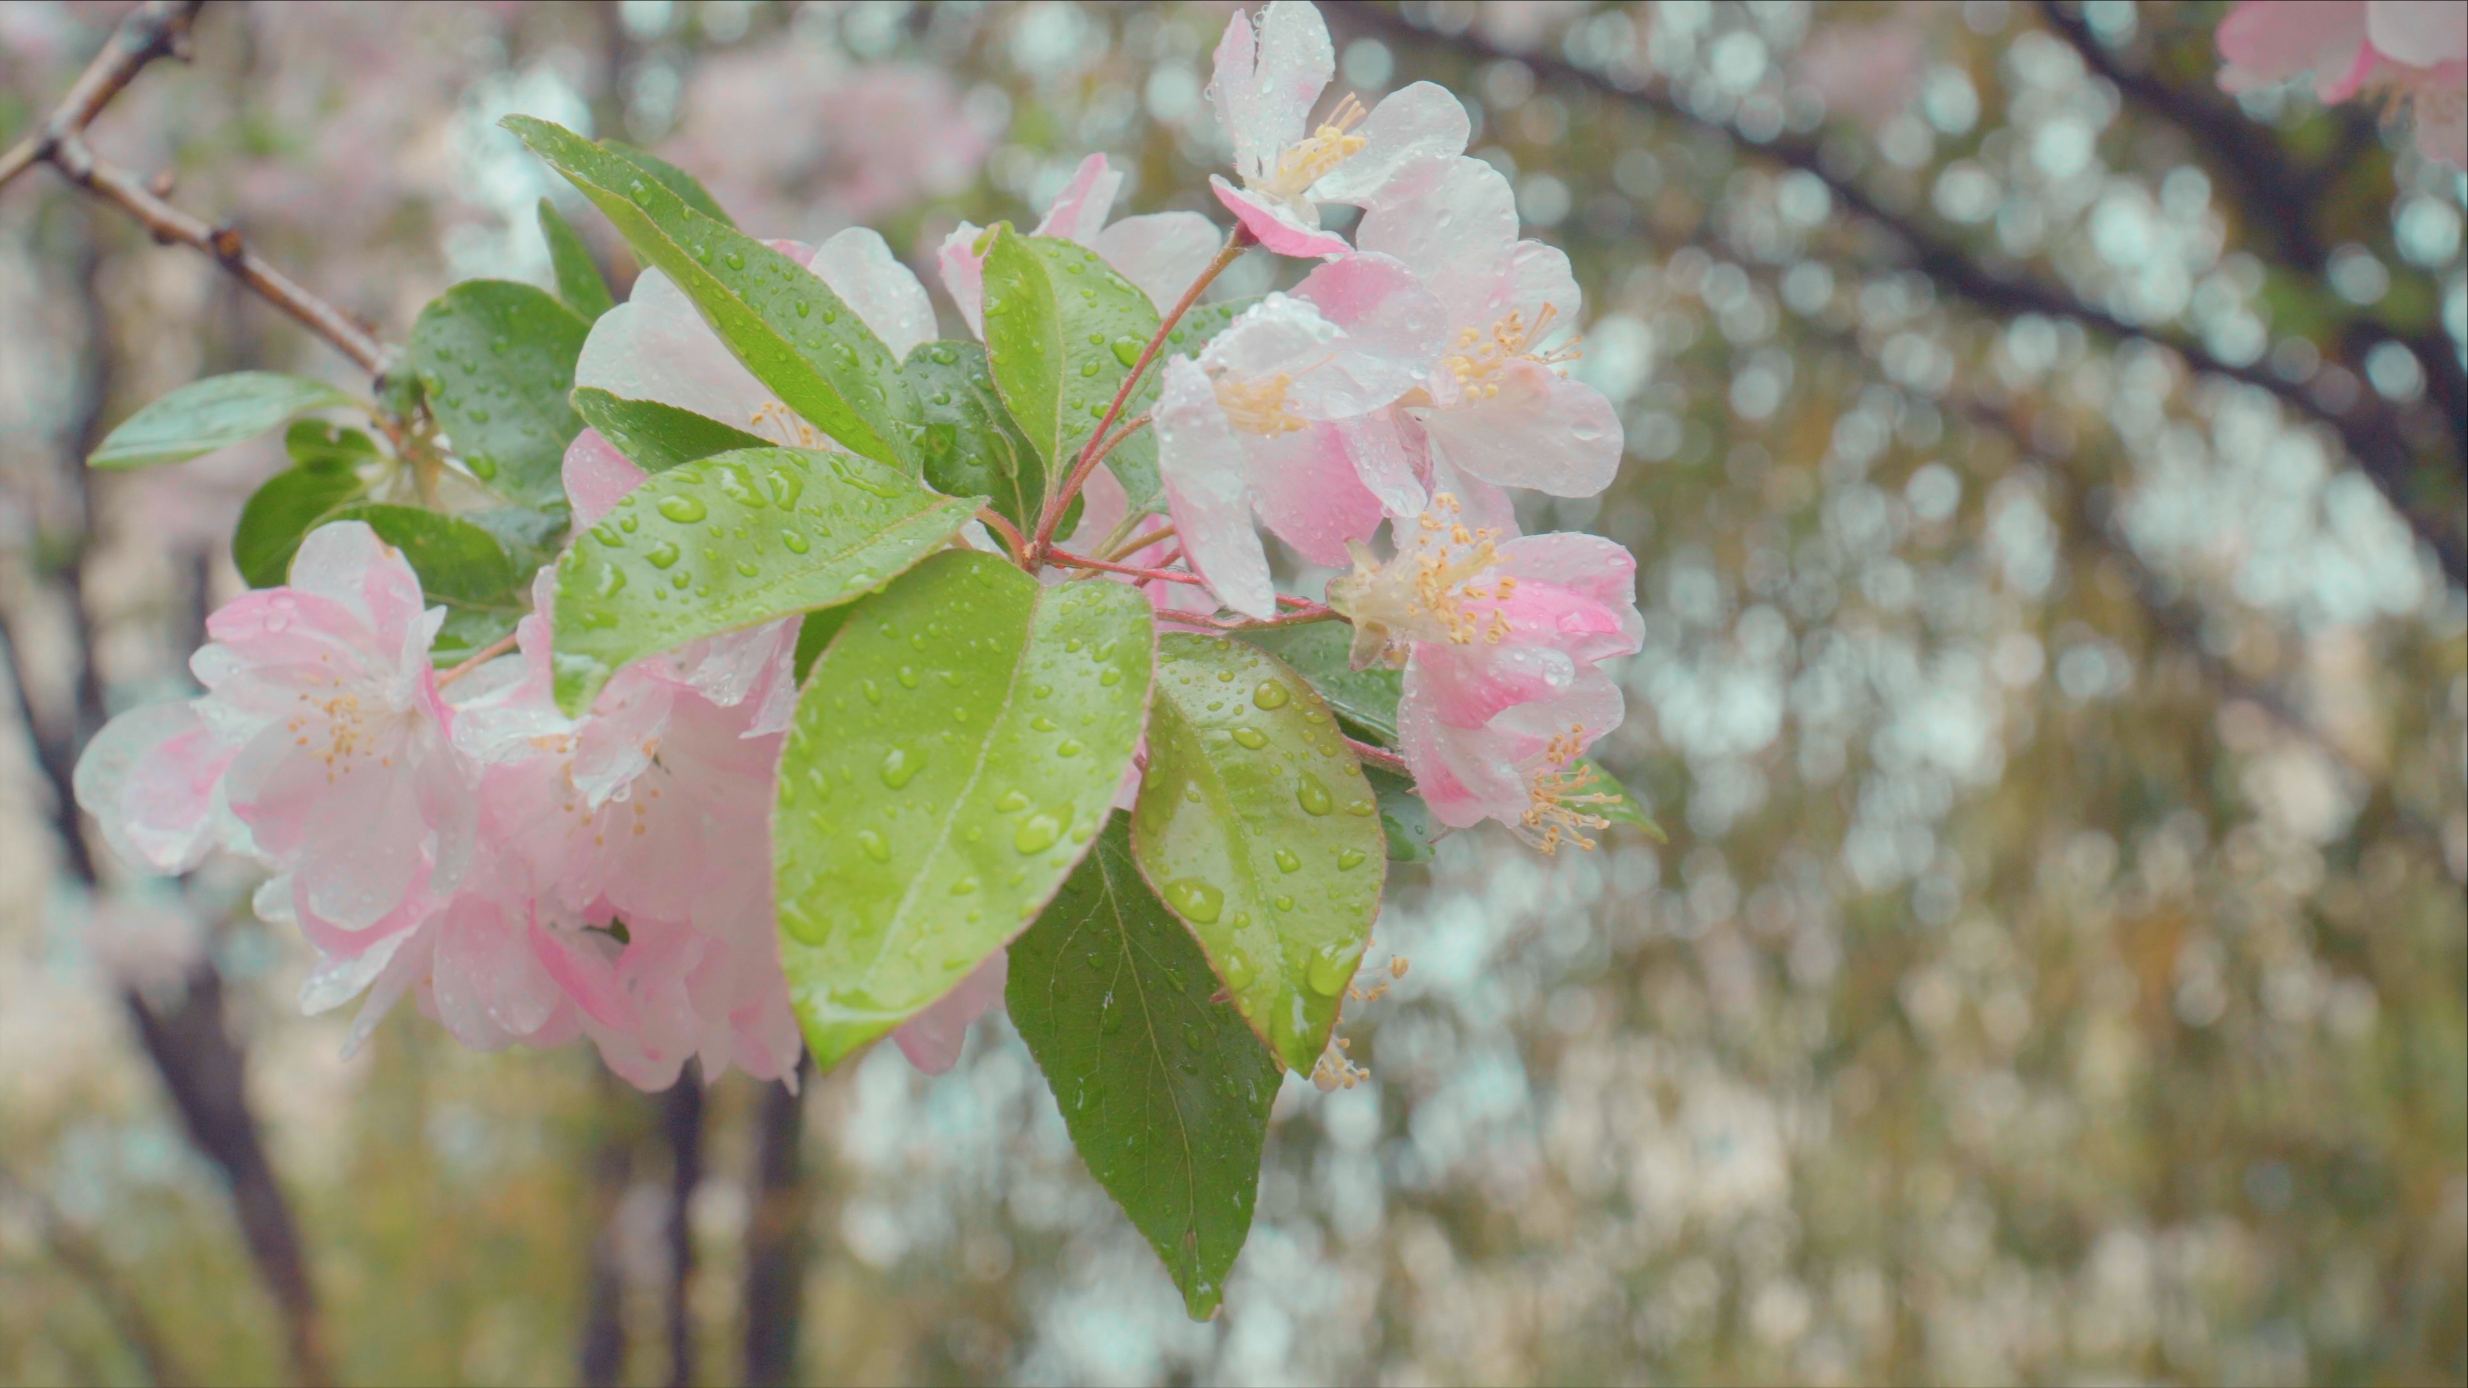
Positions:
(157, 29)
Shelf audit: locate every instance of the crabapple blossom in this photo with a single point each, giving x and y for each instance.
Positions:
(1160, 253)
(1265, 84)
(1252, 424)
(2412, 52)
(1501, 735)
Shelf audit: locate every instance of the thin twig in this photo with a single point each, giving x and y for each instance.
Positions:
(1379, 756)
(1081, 561)
(1238, 241)
(1291, 619)
(1007, 532)
(1156, 536)
(157, 29)
(479, 658)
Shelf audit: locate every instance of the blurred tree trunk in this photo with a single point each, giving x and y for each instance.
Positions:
(776, 1242)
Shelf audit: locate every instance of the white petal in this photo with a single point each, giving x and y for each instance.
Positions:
(337, 981)
(1424, 121)
(1161, 252)
(964, 274)
(860, 268)
(2420, 33)
(1453, 222)
(1266, 83)
(1080, 210)
(1200, 462)
(655, 346)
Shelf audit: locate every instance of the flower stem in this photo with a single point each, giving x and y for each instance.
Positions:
(1081, 561)
(479, 658)
(1008, 533)
(1116, 549)
(1380, 757)
(1235, 244)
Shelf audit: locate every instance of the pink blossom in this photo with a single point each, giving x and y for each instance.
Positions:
(1499, 735)
(1867, 72)
(1159, 252)
(1266, 83)
(1252, 424)
(932, 1039)
(2414, 52)
(1457, 586)
(1495, 405)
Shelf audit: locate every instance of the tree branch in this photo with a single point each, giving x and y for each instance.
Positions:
(157, 29)
(776, 1240)
(2371, 436)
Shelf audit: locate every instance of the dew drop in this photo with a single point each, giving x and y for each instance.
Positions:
(1312, 794)
(662, 555)
(1328, 971)
(966, 886)
(873, 691)
(1349, 859)
(1196, 901)
(1238, 974)
(746, 567)
(1361, 809)
(1110, 677)
(1269, 694)
(684, 510)
(1011, 801)
(875, 845)
(1252, 738)
(1283, 903)
(794, 541)
(901, 765)
(1069, 747)
(608, 582)
(735, 261)
(1127, 350)
(907, 677)
(1037, 833)
(1287, 862)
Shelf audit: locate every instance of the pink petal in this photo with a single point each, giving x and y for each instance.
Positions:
(586, 973)
(1541, 431)
(860, 268)
(1200, 461)
(2269, 41)
(2420, 33)
(1454, 224)
(655, 346)
(932, 1039)
(1265, 86)
(2442, 131)
(964, 274)
(1274, 226)
(597, 477)
(1305, 488)
(148, 778)
(1423, 121)
(1575, 593)
(1079, 211)
(1161, 252)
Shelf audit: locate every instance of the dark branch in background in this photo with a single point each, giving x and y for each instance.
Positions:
(158, 29)
(681, 1124)
(603, 1351)
(2372, 435)
(776, 1242)
(190, 1042)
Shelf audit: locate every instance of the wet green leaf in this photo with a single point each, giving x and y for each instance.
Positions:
(323, 443)
(216, 412)
(972, 447)
(496, 360)
(579, 281)
(1165, 1092)
(780, 319)
(1404, 818)
(687, 188)
(733, 541)
(1256, 827)
(1062, 330)
(458, 562)
(1318, 651)
(657, 437)
(281, 513)
(468, 631)
(1623, 807)
(814, 633)
(954, 752)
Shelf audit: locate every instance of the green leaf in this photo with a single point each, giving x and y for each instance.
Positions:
(684, 185)
(779, 318)
(1622, 805)
(323, 443)
(815, 633)
(216, 412)
(285, 509)
(657, 437)
(468, 631)
(579, 281)
(1166, 1093)
(1134, 460)
(1404, 818)
(955, 750)
(971, 445)
(1062, 330)
(1199, 327)
(496, 360)
(458, 562)
(1255, 825)
(733, 541)
(530, 535)
(1320, 653)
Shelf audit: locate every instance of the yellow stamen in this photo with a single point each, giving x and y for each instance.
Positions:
(1559, 790)
(1442, 589)
(1479, 358)
(780, 424)
(1304, 162)
(1259, 407)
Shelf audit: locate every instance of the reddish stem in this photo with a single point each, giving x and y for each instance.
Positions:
(1009, 534)
(1235, 244)
(1081, 561)
(480, 657)
(1380, 757)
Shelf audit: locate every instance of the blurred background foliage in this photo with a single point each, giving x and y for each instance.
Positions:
(2046, 477)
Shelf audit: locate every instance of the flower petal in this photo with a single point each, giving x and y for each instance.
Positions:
(1265, 84)
(1080, 210)
(655, 346)
(1200, 462)
(964, 274)
(1540, 431)
(860, 268)
(1305, 487)
(597, 477)
(1453, 222)
(149, 778)
(1161, 252)
(932, 1039)
(1275, 225)
(1423, 121)
(2420, 33)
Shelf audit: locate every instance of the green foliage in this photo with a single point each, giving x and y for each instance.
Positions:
(282, 513)
(216, 412)
(496, 360)
(685, 186)
(814, 633)
(1255, 825)
(1062, 330)
(780, 319)
(731, 542)
(1165, 1090)
(458, 562)
(971, 445)
(579, 281)
(657, 437)
(954, 752)
(1134, 460)
(1320, 653)
(1404, 818)
(323, 443)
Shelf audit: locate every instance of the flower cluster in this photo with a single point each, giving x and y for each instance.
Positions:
(532, 876)
(2411, 53)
